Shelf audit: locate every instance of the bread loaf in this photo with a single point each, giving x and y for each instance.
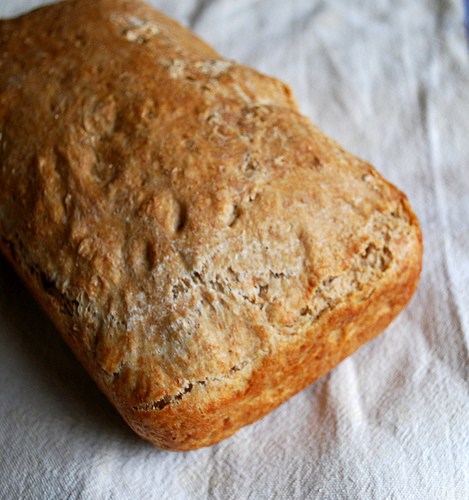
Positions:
(203, 248)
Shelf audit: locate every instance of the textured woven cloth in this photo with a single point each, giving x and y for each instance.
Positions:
(390, 81)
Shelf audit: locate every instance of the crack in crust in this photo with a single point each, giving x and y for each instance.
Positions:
(168, 400)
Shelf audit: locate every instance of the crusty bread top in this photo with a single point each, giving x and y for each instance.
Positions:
(176, 203)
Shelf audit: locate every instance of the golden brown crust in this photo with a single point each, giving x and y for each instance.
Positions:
(202, 247)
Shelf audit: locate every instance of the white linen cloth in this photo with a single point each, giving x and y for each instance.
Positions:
(390, 81)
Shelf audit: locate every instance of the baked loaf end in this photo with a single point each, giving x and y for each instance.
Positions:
(202, 247)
